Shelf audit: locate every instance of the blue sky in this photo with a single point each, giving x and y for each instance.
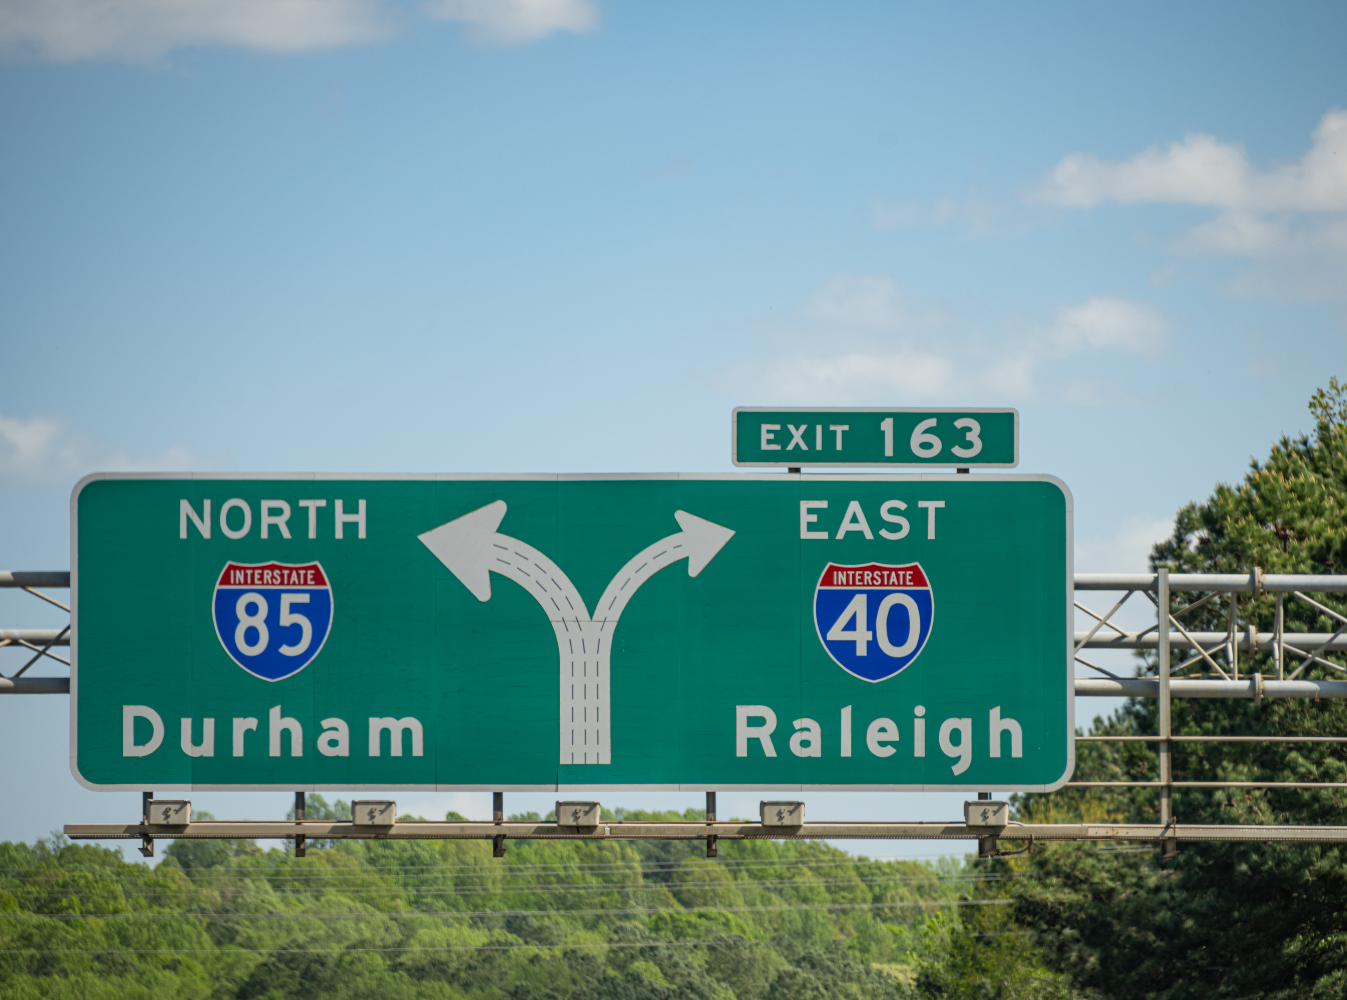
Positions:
(571, 235)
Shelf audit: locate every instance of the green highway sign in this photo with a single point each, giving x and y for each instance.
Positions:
(875, 437)
(752, 631)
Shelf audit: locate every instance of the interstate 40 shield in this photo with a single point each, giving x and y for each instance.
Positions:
(873, 619)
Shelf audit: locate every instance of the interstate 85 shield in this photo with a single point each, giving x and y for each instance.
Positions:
(873, 619)
(272, 618)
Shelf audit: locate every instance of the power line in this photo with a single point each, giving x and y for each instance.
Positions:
(242, 873)
(141, 891)
(365, 892)
(486, 870)
(544, 887)
(441, 914)
(455, 947)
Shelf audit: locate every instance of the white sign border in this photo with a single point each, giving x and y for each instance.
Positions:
(843, 410)
(1069, 612)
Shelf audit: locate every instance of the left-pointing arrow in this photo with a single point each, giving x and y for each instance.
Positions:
(472, 549)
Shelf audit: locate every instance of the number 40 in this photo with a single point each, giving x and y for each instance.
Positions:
(926, 445)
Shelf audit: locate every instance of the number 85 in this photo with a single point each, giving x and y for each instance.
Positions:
(258, 620)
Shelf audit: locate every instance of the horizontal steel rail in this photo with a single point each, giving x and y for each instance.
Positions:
(1226, 583)
(1206, 784)
(694, 830)
(50, 578)
(1264, 641)
(1087, 687)
(34, 685)
(1148, 687)
(37, 636)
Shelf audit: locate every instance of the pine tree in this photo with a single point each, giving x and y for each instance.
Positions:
(1236, 920)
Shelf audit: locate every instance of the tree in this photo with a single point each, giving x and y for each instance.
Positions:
(1234, 920)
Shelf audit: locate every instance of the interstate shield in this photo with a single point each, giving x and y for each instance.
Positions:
(272, 618)
(873, 619)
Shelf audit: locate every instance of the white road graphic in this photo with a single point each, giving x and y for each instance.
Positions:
(472, 549)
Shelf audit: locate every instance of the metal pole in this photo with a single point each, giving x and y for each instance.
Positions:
(1233, 646)
(146, 842)
(498, 817)
(1166, 765)
(1279, 649)
(299, 817)
(986, 845)
(711, 849)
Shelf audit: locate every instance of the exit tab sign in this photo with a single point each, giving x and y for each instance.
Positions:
(875, 436)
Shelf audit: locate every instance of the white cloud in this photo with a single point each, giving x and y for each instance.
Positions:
(1290, 221)
(1245, 234)
(140, 30)
(42, 450)
(1237, 233)
(908, 375)
(509, 22)
(869, 302)
(1201, 170)
(1103, 322)
(979, 215)
(861, 339)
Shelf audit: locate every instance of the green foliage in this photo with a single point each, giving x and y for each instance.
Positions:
(1329, 406)
(1220, 920)
(317, 807)
(422, 919)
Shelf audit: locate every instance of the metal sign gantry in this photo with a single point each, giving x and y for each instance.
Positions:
(1227, 661)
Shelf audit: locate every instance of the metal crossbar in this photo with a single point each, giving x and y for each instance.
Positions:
(696, 830)
(1224, 681)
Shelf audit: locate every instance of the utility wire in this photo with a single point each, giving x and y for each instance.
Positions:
(455, 947)
(544, 890)
(609, 911)
(548, 888)
(490, 870)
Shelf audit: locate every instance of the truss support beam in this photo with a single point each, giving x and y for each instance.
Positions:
(698, 830)
(1086, 687)
(1244, 641)
(1223, 582)
(34, 685)
(51, 578)
(1146, 687)
(1226, 583)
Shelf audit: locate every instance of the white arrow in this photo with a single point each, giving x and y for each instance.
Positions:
(472, 549)
(698, 543)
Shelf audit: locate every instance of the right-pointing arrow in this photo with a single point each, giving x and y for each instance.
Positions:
(698, 543)
(703, 539)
